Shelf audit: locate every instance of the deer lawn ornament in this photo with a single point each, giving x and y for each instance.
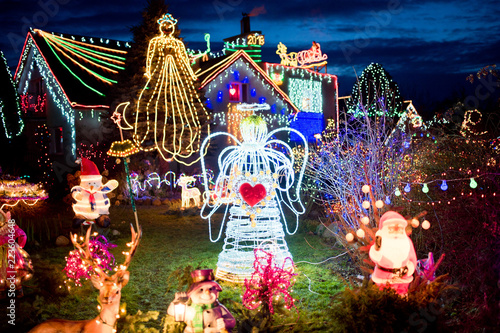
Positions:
(189, 193)
(109, 293)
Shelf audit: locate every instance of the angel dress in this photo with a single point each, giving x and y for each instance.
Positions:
(169, 115)
(254, 181)
(15, 263)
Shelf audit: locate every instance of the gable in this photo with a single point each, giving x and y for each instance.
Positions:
(214, 70)
(85, 68)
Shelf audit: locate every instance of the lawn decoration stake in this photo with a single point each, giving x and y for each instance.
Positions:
(15, 263)
(91, 200)
(189, 193)
(255, 180)
(393, 254)
(199, 308)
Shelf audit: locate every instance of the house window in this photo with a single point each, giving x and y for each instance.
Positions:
(235, 92)
(56, 140)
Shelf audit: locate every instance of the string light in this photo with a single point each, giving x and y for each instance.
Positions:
(375, 93)
(270, 281)
(172, 128)
(20, 124)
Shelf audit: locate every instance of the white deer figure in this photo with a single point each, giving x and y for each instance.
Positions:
(189, 193)
(109, 294)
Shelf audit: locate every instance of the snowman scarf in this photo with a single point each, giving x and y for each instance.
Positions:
(91, 199)
(198, 316)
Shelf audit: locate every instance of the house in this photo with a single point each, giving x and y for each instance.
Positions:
(298, 96)
(63, 82)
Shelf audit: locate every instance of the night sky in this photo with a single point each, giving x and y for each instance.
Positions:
(428, 46)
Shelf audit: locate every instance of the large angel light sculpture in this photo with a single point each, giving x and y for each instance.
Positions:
(255, 180)
(169, 116)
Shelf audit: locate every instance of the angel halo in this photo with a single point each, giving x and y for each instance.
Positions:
(254, 180)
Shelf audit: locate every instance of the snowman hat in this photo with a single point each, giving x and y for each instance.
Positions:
(203, 277)
(89, 168)
(391, 217)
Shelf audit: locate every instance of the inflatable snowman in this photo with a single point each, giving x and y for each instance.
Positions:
(92, 204)
(393, 254)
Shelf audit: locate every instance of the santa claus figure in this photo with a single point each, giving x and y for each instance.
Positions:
(393, 254)
(199, 307)
(92, 204)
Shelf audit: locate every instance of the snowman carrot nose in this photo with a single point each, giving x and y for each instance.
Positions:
(207, 291)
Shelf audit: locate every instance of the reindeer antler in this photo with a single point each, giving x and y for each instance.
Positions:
(85, 253)
(136, 238)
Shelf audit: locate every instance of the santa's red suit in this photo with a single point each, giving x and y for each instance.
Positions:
(393, 253)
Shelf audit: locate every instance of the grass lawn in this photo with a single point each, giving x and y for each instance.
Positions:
(170, 243)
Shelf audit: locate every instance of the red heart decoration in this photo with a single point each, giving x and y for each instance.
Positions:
(252, 194)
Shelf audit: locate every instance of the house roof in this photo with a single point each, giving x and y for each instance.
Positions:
(211, 69)
(84, 67)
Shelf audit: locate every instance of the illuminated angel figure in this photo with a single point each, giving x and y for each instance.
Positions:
(169, 113)
(254, 180)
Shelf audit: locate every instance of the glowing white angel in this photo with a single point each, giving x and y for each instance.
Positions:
(254, 181)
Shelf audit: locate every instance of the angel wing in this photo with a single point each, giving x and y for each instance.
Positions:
(220, 194)
(286, 194)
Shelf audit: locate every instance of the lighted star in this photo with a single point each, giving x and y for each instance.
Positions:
(116, 117)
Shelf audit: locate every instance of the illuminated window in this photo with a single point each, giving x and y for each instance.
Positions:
(235, 92)
(306, 95)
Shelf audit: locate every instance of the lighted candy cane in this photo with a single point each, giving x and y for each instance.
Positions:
(255, 210)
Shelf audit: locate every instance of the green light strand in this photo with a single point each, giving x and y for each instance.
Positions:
(76, 76)
(90, 57)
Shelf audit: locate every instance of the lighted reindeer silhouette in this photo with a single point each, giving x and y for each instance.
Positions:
(109, 293)
(189, 193)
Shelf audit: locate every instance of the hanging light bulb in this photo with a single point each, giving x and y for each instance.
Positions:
(425, 189)
(397, 192)
(473, 183)
(444, 186)
(388, 199)
(407, 188)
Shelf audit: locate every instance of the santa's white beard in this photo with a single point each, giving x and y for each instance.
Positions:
(395, 250)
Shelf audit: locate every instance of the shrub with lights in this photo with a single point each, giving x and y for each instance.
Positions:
(76, 269)
(270, 284)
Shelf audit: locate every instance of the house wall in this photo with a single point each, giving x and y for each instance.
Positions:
(222, 110)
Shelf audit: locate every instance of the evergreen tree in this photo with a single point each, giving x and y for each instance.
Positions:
(132, 79)
(11, 123)
(376, 93)
(10, 115)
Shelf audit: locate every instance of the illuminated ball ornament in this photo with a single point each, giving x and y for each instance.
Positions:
(366, 189)
(444, 186)
(360, 233)
(397, 192)
(365, 204)
(426, 225)
(349, 237)
(379, 204)
(415, 223)
(365, 220)
(255, 180)
(92, 202)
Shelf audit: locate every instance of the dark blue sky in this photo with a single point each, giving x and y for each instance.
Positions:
(428, 46)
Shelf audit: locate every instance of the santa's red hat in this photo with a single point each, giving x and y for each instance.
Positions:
(89, 168)
(391, 217)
